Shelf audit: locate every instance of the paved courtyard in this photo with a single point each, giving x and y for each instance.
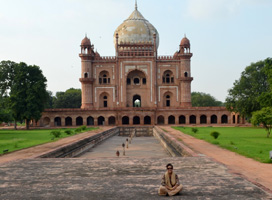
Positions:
(120, 178)
(99, 174)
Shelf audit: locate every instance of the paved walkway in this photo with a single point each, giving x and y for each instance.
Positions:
(34, 152)
(256, 172)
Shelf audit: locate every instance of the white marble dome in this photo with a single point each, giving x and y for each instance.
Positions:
(136, 29)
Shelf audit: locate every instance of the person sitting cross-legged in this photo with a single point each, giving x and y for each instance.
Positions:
(170, 183)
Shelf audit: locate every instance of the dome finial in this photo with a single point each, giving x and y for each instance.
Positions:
(136, 6)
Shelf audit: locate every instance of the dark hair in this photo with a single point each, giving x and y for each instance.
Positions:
(169, 164)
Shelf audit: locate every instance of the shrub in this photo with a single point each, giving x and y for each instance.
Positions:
(215, 134)
(78, 130)
(56, 133)
(68, 132)
(194, 130)
(83, 128)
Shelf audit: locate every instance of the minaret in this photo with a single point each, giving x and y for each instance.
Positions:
(185, 69)
(86, 79)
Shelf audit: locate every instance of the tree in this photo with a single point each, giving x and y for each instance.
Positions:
(5, 113)
(71, 98)
(50, 97)
(25, 87)
(244, 97)
(200, 99)
(265, 98)
(264, 117)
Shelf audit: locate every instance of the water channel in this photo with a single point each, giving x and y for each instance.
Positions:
(145, 142)
(139, 147)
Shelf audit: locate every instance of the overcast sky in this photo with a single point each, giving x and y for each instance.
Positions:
(226, 35)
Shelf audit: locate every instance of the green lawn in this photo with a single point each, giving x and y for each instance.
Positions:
(250, 142)
(19, 139)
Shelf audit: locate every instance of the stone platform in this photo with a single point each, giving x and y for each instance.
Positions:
(120, 178)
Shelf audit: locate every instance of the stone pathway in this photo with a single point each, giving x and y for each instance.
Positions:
(256, 172)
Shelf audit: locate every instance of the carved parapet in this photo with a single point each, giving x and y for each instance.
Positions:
(106, 58)
(165, 57)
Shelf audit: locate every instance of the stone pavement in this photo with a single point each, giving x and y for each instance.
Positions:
(256, 172)
(120, 178)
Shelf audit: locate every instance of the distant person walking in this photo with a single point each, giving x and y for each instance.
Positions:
(127, 143)
(170, 183)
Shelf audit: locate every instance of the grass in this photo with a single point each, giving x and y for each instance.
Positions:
(250, 142)
(19, 139)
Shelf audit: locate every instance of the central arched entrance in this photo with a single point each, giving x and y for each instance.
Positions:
(137, 90)
(136, 101)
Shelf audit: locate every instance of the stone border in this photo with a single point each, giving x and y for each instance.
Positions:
(172, 145)
(81, 146)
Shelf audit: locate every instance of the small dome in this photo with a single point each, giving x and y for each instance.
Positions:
(185, 42)
(136, 29)
(86, 42)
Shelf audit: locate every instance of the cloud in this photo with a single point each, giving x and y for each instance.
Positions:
(212, 9)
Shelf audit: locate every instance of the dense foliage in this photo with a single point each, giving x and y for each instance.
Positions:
(264, 117)
(251, 95)
(253, 90)
(200, 99)
(23, 89)
(71, 98)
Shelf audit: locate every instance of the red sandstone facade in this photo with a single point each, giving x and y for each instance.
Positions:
(136, 86)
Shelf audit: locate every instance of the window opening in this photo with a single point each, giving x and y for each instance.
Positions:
(128, 81)
(167, 78)
(136, 81)
(168, 101)
(144, 81)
